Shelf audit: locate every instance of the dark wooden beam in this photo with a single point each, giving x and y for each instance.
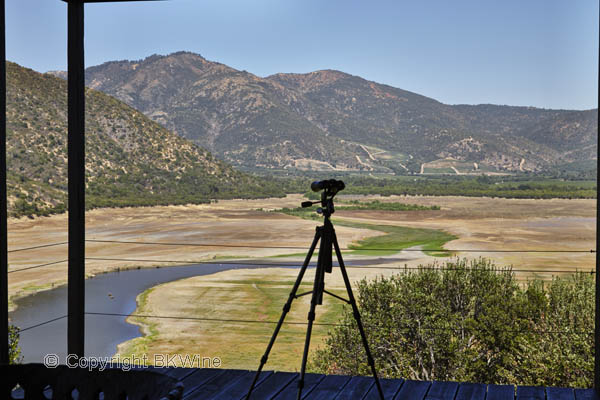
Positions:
(76, 175)
(3, 199)
(597, 327)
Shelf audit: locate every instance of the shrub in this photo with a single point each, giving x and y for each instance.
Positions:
(469, 321)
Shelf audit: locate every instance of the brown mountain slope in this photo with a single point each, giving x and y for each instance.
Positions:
(130, 160)
(245, 119)
(330, 119)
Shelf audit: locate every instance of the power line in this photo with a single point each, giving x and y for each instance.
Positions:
(345, 249)
(185, 262)
(286, 265)
(37, 266)
(37, 247)
(251, 321)
(255, 264)
(295, 247)
(243, 321)
(42, 323)
(303, 247)
(459, 269)
(195, 244)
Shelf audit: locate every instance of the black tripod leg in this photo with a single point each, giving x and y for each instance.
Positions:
(286, 309)
(357, 315)
(324, 260)
(316, 296)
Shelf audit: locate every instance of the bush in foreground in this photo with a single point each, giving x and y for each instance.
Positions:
(14, 352)
(469, 321)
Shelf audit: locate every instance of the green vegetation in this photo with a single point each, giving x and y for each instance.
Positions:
(14, 352)
(140, 345)
(469, 321)
(192, 188)
(399, 237)
(395, 238)
(524, 186)
(483, 186)
(383, 206)
(578, 170)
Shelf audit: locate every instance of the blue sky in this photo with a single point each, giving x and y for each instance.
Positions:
(541, 53)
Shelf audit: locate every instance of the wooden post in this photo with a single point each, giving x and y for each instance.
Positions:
(76, 175)
(597, 327)
(3, 197)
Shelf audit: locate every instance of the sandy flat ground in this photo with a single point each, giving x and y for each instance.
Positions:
(226, 299)
(484, 227)
(503, 225)
(233, 222)
(480, 224)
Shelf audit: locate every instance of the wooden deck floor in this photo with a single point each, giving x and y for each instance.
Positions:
(225, 384)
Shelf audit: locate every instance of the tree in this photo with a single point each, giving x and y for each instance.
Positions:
(468, 321)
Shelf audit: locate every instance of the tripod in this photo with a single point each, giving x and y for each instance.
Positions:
(326, 234)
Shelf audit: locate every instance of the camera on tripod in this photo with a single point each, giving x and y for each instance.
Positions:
(331, 185)
(326, 235)
(330, 188)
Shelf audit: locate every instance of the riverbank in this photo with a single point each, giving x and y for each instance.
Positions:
(109, 299)
(237, 223)
(230, 315)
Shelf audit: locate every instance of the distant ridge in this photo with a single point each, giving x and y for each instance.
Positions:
(328, 120)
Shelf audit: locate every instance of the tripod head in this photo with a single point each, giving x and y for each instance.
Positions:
(330, 188)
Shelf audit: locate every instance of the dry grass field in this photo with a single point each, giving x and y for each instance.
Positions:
(490, 227)
(484, 227)
(494, 227)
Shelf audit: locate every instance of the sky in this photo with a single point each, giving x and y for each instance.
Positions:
(541, 53)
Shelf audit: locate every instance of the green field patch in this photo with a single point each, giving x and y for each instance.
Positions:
(440, 170)
(377, 205)
(290, 255)
(140, 344)
(396, 238)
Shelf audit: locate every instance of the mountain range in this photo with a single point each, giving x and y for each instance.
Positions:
(130, 159)
(331, 120)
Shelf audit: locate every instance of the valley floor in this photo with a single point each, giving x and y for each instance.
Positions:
(231, 222)
(479, 223)
(485, 227)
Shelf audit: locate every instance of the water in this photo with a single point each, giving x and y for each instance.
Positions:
(102, 333)
(113, 292)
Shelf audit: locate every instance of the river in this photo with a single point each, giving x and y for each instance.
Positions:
(114, 293)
